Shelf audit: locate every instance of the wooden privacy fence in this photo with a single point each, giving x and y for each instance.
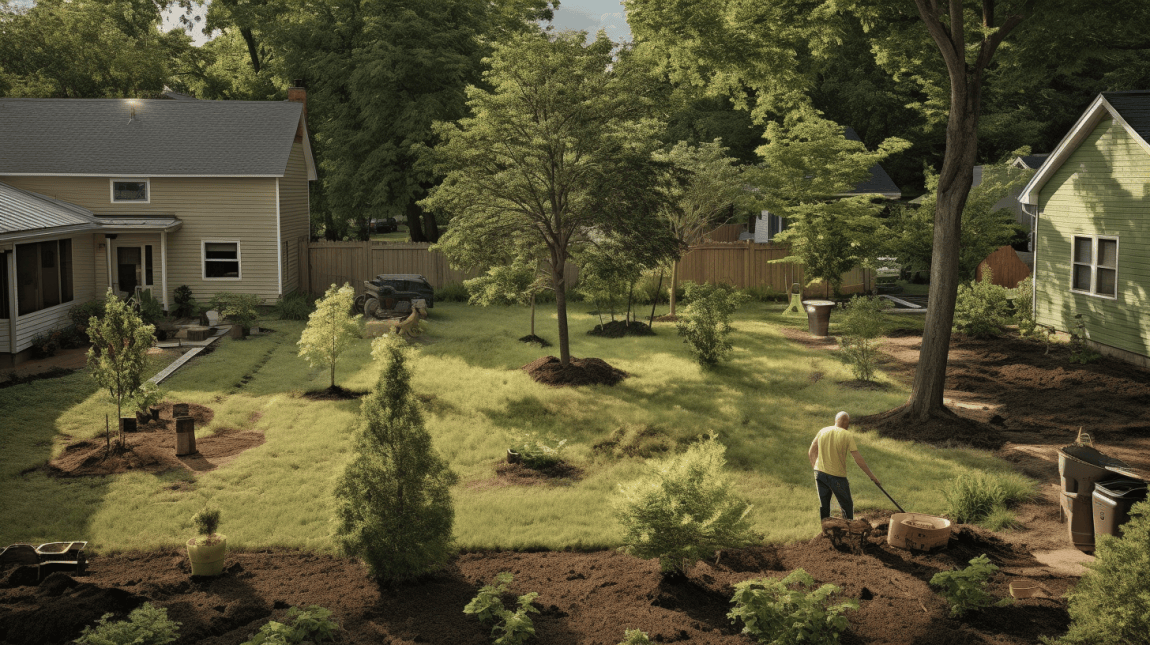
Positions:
(339, 262)
(746, 264)
(725, 233)
(1006, 269)
(741, 264)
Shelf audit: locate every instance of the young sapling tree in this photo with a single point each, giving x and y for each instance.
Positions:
(120, 342)
(330, 330)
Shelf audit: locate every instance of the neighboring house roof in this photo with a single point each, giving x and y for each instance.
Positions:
(879, 183)
(24, 213)
(1130, 109)
(149, 137)
(1030, 162)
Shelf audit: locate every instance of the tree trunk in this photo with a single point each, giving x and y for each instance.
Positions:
(630, 296)
(415, 223)
(533, 314)
(953, 188)
(655, 301)
(558, 281)
(674, 284)
(253, 52)
(430, 227)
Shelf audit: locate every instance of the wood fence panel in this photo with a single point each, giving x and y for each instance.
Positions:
(1007, 269)
(725, 233)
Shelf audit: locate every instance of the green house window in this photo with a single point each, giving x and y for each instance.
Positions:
(1094, 265)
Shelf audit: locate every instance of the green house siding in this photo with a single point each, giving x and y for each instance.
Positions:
(1103, 188)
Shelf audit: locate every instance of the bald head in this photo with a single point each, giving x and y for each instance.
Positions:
(843, 420)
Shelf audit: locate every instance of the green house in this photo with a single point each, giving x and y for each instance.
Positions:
(1092, 230)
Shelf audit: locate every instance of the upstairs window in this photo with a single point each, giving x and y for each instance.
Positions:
(131, 191)
(221, 260)
(1094, 266)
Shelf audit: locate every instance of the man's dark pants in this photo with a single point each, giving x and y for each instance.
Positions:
(841, 488)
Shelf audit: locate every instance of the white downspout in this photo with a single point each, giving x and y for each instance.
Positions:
(164, 267)
(279, 244)
(10, 258)
(108, 249)
(1034, 273)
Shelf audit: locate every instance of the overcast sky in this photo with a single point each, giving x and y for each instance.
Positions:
(589, 15)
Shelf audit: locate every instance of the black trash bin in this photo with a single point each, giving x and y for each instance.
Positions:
(818, 315)
(1080, 467)
(1112, 502)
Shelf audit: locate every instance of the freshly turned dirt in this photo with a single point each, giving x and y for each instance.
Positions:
(620, 328)
(581, 371)
(943, 429)
(336, 393)
(537, 340)
(152, 449)
(584, 598)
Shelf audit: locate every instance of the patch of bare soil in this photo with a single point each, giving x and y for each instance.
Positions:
(537, 340)
(335, 393)
(666, 318)
(152, 448)
(584, 598)
(805, 339)
(859, 384)
(561, 474)
(620, 328)
(581, 371)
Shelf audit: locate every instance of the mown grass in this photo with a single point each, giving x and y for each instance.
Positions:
(765, 404)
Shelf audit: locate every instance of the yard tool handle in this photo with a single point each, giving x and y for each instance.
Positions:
(900, 509)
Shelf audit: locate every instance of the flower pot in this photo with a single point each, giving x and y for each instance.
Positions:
(207, 559)
(127, 424)
(514, 457)
(155, 412)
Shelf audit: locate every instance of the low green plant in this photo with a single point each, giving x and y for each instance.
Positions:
(982, 498)
(185, 303)
(239, 308)
(862, 325)
(150, 309)
(1080, 352)
(293, 306)
(72, 337)
(206, 522)
(764, 294)
(452, 292)
(965, 590)
(84, 312)
(705, 324)
(538, 452)
(46, 344)
(982, 308)
(635, 637)
(684, 509)
(790, 610)
(1110, 605)
(1024, 308)
(147, 396)
(146, 625)
(311, 625)
(511, 627)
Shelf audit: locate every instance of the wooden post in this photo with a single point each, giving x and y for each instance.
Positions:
(185, 436)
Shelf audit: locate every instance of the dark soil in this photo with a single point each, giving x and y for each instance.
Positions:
(581, 371)
(666, 318)
(54, 372)
(584, 598)
(560, 474)
(335, 393)
(620, 328)
(531, 338)
(152, 448)
(947, 428)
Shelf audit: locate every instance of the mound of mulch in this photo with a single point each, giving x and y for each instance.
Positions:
(581, 371)
(336, 393)
(943, 429)
(583, 597)
(561, 474)
(666, 318)
(859, 384)
(153, 449)
(620, 328)
(533, 339)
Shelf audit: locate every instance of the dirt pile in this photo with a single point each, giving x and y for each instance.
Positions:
(581, 371)
(333, 393)
(942, 429)
(537, 340)
(620, 328)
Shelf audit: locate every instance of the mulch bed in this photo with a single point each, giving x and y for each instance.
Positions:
(335, 393)
(620, 328)
(944, 429)
(581, 371)
(584, 598)
(52, 372)
(531, 338)
(152, 448)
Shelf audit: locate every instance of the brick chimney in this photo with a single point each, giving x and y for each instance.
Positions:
(298, 94)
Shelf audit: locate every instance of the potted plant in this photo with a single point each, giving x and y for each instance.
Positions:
(241, 310)
(206, 552)
(147, 400)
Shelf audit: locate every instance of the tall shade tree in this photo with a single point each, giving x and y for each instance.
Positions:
(117, 358)
(556, 151)
(710, 185)
(331, 328)
(393, 501)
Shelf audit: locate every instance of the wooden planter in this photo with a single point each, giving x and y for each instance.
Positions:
(185, 436)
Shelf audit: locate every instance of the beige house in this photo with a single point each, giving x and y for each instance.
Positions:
(146, 194)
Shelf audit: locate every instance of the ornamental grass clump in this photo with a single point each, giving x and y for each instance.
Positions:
(146, 625)
(511, 627)
(965, 591)
(393, 503)
(985, 499)
(684, 509)
(781, 612)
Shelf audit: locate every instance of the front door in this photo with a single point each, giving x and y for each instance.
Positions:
(129, 268)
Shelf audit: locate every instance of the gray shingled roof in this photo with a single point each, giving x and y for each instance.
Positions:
(1134, 108)
(1034, 161)
(165, 137)
(23, 211)
(879, 181)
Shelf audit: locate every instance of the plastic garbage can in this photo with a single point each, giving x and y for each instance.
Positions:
(818, 315)
(1112, 502)
(1080, 467)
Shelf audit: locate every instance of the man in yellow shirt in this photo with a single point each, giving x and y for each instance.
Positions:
(828, 455)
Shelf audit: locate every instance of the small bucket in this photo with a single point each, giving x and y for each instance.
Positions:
(1023, 588)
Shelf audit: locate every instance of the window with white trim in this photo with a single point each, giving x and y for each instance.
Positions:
(137, 191)
(221, 260)
(1094, 265)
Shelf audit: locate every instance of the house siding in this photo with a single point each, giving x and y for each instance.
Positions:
(1103, 188)
(295, 216)
(242, 209)
(29, 326)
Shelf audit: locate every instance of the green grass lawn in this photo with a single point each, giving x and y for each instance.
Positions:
(765, 404)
